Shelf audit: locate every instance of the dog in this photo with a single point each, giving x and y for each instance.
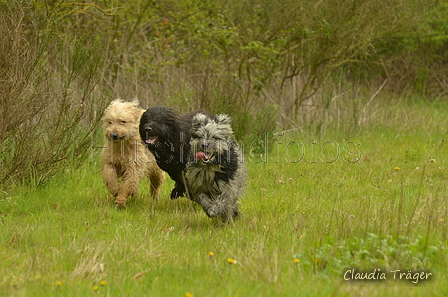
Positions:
(124, 155)
(167, 136)
(216, 174)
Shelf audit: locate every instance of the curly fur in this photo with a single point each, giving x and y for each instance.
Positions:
(215, 172)
(124, 155)
(167, 136)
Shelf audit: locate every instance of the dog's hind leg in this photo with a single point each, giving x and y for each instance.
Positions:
(156, 178)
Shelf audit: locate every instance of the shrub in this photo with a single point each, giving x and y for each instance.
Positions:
(49, 110)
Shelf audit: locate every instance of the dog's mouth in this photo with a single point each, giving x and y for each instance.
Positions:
(201, 156)
(151, 139)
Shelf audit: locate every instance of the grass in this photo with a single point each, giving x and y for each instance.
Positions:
(302, 224)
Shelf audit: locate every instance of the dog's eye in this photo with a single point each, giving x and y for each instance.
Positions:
(123, 122)
(110, 123)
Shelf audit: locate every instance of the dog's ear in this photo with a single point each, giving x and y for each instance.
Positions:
(135, 101)
(118, 100)
(222, 119)
(200, 120)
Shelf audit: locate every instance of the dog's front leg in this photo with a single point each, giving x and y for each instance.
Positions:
(110, 178)
(207, 204)
(178, 191)
(218, 206)
(129, 186)
(179, 188)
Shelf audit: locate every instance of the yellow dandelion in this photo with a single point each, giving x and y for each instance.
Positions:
(317, 260)
(231, 261)
(102, 283)
(397, 168)
(211, 254)
(59, 283)
(95, 288)
(296, 260)
(442, 220)
(188, 294)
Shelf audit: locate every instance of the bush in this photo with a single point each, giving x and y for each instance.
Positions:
(49, 110)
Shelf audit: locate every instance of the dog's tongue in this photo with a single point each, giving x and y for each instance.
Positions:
(151, 140)
(201, 156)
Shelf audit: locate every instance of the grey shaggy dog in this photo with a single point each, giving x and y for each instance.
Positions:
(216, 174)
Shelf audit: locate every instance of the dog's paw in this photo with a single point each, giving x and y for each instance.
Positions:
(176, 193)
(212, 212)
(229, 216)
(120, 203)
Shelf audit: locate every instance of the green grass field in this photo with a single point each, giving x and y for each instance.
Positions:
(314, 208)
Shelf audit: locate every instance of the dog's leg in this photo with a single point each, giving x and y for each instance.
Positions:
(110, 178)
(224, 205)
(129, 186)
(217, 207)
(179, 188)
(206, 203)
(231, 213)
(178, 191)
(227, 204)
(157, 177)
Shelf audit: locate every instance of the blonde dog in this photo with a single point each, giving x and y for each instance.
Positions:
(124, 156)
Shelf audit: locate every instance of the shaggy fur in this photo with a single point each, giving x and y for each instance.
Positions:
(167, 136)
(124, 155)
(215, 172)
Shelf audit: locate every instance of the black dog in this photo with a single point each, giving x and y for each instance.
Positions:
(167, 136)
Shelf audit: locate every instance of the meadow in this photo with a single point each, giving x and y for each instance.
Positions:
(315, 207)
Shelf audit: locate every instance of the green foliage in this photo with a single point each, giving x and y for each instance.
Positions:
(382, 252)
(269, 64)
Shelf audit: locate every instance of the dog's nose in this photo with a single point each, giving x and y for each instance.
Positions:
(148, 129)
(114, 136)
(204, 146)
